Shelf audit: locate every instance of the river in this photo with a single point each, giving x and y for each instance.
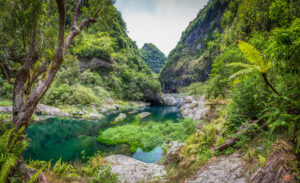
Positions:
(75, 139)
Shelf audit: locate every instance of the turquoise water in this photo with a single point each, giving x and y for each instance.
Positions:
(70, 139)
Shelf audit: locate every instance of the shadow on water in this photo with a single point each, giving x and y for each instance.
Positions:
(67, 138)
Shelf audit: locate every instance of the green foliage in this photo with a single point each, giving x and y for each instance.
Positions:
(105, 175)
(63, 169)
(6, 89)
(153, 57)
(90, 79)
(247, 103)
(258, 63)
(12, 144)
(147, 135)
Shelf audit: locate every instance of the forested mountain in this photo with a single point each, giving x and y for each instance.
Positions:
(153, 57)
(217, 29)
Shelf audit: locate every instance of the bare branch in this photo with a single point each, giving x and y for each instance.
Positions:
(5, 73)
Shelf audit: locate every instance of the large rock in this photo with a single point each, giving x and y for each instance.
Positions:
(222, 170)
(48, 110)
(194, 108)
(120, 117)
(173, 155)
(144, 115)
(5, 109)
(106, 108)
(281, 166)
(134, 171)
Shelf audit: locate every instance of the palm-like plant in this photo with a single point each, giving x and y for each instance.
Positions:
(257, 64)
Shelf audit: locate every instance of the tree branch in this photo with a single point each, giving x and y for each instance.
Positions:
(5, 73)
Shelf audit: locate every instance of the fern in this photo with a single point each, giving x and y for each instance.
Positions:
(12, 144)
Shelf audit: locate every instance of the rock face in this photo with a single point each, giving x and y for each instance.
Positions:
(193, 108)
(144, 115)
(94, 64)
(153, 57)
(134, 171)
(173, 155)
(222, 170)
(280, 167)
(191, 60)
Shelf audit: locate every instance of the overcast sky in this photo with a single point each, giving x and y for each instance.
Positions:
(160, 22)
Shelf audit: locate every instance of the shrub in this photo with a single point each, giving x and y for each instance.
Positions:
(147, 136)
(90, 79)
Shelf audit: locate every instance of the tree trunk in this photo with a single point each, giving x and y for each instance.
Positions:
(264, 75)
(24, 105)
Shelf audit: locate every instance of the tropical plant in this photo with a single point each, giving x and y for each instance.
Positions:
(257, 64)
(11, 148)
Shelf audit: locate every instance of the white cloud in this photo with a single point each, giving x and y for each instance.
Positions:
(160, 22)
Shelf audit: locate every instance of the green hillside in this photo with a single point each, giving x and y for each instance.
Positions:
(153, 57)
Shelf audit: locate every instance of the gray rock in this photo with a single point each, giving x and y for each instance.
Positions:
(169, 100)
(5, 109)
(223, 170)
(173, 155)
(193, 108)
(93, 64)
(120, 117)
(48, 110)
(133, 112)
(107, 108)
(95, 116)
(144, 115)
(40, 109)
(134, 171)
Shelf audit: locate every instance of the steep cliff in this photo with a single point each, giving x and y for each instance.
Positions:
(191, 59)
(153, 57)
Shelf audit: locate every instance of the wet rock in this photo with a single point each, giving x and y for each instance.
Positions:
(173, 155)
(193, 107)
(222, 170)
(120, 117)
(144, 115)
(280, 167)
(134, 171)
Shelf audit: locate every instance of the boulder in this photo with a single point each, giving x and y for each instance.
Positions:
(194, 108)
(107, 108)
(144, 115)
(173, 155)
(222, 169)
(168, 100)
(48, 110)
(130, 170)
(5, 109)
(120, 117)
(94, 116)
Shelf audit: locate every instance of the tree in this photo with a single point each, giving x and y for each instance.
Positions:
(37, 71)
(257, 64)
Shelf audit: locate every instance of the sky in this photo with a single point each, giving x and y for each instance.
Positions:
(160, 22)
